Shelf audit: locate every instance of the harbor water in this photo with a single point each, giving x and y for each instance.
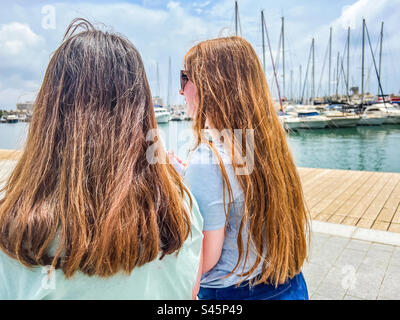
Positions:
(365, 148)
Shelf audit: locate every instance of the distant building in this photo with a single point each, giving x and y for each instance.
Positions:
(180, 107)
(158, 100)
(26, 106)
(355, 90)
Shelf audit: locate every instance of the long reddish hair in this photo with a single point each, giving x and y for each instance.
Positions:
(83, 185)
(233, 94)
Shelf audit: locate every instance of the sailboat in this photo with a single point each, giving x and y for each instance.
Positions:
(161, 113)
(372, 116)
(391, 114)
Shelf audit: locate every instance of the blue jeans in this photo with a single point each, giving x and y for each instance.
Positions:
(293, 289)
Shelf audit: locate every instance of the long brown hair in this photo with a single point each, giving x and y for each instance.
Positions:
(83, 181)
(233, 94)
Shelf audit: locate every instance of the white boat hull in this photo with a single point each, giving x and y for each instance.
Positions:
(392, 120)
(313, 124)
(290, 123)
(162, 118)
(343, 122)
(372, 121)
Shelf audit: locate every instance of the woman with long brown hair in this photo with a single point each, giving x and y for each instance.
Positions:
(85, 213)
(243, 177)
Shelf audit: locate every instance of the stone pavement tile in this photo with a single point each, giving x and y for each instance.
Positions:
(395, 260)
(350, 257)
(318, 240)
(326, 257)
(368, 280)
(314, 250)
(359, 245)
(329, 252)
(391, 283)
(336, 242)
(336, 282)
(331, 290)
(317, 236)
(313, 275)
(382, 247)
(377, 258)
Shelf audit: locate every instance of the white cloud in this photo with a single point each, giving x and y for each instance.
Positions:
(201, 4)
(173, 5)
(370, 9)
(17, 37)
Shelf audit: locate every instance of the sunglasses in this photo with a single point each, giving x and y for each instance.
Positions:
(184, 79)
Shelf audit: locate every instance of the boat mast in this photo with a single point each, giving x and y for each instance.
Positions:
(380, 58)
(313, 71)
(362, 63)
(283, 57)
(158, 80)
(263, 41)
(376, 68)
(169, 83)
(330, 62)
(307, 75)
(337, 75)
(300, 83)
(236, 17)
(291, 85)
(348, 62)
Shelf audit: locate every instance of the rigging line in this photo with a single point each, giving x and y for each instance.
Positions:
(323, 69)
(341, 59)
(273, 65)
(278, 52)
(277, 58)
(345, 80)
(292, 55)
(376, 69)
(305, 79)
(370, 68)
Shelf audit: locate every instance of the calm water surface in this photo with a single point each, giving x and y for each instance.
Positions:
(359, 148)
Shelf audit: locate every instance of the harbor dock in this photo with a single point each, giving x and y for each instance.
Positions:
(357, 198)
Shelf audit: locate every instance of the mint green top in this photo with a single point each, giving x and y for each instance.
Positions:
(173, 277)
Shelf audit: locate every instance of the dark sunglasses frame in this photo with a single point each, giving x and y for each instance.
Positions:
(184, 79)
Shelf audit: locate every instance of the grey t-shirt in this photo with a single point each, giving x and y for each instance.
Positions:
(203, 176)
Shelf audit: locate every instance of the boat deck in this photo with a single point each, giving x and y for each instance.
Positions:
(358, 198)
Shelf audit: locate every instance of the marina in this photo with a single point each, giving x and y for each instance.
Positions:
(360, 148)
(335, 116)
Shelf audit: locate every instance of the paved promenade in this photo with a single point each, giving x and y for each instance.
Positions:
(344, 264)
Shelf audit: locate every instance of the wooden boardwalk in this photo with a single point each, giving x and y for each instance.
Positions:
(358, 198)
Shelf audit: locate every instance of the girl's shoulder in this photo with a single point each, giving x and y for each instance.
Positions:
(203, 173)
(205, 156)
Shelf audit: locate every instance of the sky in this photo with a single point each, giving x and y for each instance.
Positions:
(31, 30)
